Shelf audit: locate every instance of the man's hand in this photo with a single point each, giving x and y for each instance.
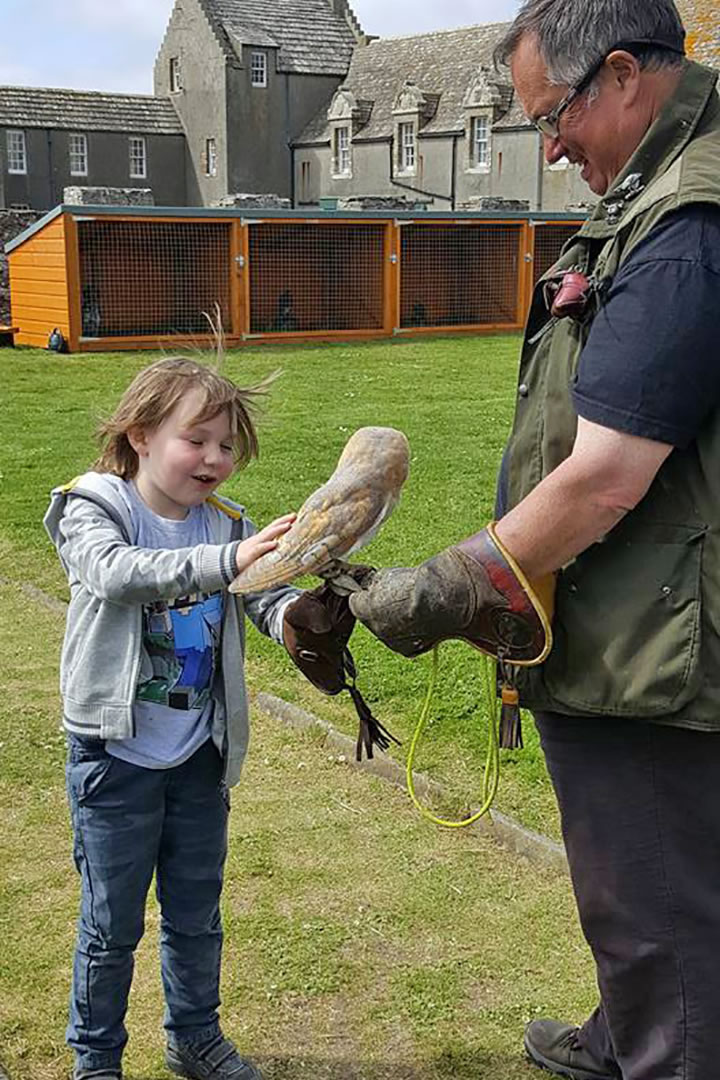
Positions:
(472, 591)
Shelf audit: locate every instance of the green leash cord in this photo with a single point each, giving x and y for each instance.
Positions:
(492, 761)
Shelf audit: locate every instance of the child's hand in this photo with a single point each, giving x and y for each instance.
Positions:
(262, 542)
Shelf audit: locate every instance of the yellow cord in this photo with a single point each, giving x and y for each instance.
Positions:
(492, 761)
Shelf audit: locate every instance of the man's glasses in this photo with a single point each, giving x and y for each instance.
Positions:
(549, 124)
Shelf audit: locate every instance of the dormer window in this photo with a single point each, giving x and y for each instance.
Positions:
(175, 75)
(258, 69)
(480, 142)
(413, 108)
(486, 100)
(342, 153)
(406, 147)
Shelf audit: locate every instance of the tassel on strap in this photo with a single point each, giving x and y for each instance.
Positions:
(371, 733)
(510, 736)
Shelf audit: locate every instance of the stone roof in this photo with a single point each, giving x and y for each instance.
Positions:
(313, 37)
(444, 63)
(87, 110)
(702, 22)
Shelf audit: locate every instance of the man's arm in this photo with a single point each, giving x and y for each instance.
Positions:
(577, 504)
(494, 588)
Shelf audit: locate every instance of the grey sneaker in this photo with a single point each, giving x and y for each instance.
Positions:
(555, 1046)
(97, 1074)
(214, 1060)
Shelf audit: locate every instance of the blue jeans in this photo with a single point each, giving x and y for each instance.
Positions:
(129, 822)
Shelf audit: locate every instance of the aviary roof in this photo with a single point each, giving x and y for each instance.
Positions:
(87, 110)
(445, 62)
(311, 37)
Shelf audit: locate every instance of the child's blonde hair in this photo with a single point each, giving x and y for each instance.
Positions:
(152, 396)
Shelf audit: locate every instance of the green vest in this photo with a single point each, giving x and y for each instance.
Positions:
(637, 622)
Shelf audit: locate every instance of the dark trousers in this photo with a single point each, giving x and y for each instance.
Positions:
(640, 806)
(129, 822)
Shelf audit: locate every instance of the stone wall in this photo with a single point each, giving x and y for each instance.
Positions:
(12, 223)
(108, 196)
(250, 201)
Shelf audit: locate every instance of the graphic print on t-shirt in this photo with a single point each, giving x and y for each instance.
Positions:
(181, 638)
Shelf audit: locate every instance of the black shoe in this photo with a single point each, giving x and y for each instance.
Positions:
(214, 1060)
(555, 1046)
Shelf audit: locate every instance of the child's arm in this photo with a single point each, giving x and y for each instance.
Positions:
(95, 551)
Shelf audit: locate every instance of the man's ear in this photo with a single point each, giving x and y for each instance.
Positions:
(624, 69)
(137, 438)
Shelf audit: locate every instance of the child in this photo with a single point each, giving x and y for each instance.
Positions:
(155, 703)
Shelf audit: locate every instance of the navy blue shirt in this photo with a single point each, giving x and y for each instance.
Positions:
(651, 365)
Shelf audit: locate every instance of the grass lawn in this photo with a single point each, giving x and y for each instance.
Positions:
(361, 941)
(452, 397)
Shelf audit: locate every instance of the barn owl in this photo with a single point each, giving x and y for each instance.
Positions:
(341, 516)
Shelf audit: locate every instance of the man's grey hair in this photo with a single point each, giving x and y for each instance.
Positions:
(573, 34)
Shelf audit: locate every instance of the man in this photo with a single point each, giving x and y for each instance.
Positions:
(611, 482)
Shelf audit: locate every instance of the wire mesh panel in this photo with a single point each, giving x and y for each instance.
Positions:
(464, 274)
(550, 239)
(310, 277)
(152, 277)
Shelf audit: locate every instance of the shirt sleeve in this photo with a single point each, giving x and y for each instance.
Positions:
(651, 365)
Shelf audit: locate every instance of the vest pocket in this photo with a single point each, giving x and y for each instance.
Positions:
(627, 624)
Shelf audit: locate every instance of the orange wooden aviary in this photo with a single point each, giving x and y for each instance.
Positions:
(148, 277)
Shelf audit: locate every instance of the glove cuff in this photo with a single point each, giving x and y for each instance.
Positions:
(522, 625)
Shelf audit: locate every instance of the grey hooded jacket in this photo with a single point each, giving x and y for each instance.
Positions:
(90, 523)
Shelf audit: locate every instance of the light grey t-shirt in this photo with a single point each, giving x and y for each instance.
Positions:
(181, 642)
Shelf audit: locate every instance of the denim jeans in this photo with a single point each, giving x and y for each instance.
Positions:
(129, 822)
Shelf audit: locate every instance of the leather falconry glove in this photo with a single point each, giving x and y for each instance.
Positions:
(473, 591)
(316, 631)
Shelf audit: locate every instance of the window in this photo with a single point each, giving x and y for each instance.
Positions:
(258, 69)
(342, 161)
(406, 147)
(138, 158)
(480, 142)
(210, 157)
(175, 75)
(16, 152)
(78, 155)
(304, 181)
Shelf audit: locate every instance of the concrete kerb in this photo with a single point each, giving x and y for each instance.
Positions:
(534, 846)
(523, 841)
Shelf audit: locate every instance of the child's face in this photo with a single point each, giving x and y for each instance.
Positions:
(181, 462)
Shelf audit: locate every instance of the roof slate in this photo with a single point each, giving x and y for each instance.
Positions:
(445, 63)
(87, 110)
(312, 38)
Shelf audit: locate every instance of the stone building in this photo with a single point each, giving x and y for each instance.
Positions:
(291, 98)
(246, 77)
(427, 117)
(52, 139)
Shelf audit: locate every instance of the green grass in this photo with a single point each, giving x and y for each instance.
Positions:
(453, 398)
(361, 943)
